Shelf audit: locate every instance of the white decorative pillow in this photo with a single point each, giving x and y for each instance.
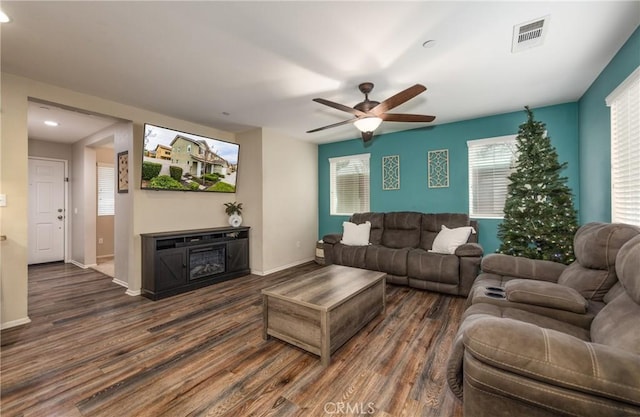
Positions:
(356, 234)
(448, 240)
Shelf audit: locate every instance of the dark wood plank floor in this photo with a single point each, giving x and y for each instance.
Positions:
(93, 351)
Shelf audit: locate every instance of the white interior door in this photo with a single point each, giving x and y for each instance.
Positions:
(46, 211)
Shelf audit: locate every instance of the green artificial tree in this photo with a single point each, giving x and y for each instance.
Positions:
(539, 218)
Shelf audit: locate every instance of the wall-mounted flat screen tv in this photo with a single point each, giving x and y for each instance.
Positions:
(180, 161)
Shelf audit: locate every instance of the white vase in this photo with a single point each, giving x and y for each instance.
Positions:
(235, 220)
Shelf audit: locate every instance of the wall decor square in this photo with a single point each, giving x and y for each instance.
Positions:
(391, 172)
(438, 167)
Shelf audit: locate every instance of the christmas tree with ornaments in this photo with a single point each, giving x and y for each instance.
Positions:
(539, 218)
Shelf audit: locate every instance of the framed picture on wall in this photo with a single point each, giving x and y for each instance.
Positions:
(123, 172)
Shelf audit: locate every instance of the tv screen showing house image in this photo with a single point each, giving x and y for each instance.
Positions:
(180, 161)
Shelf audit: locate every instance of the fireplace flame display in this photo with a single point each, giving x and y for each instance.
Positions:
(204, 262)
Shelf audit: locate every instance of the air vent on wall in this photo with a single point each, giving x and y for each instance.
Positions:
(529, 34)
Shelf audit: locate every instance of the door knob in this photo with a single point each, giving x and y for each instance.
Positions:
(59, 210)
(60, 217)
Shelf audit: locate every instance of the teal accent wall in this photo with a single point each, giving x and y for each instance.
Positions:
(595, 133)
(413, 145)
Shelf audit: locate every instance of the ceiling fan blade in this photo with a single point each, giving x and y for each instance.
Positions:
(340, 107)
(398, 117)
(344, 122)
(398, 99)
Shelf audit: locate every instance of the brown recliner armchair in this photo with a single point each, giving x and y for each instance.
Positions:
(531, 364)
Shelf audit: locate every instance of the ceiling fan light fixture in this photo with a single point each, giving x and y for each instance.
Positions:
(368, 124)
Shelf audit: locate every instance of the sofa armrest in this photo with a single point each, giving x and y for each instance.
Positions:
(555, 358)
(519, 267)
(332, 239)
(469, 249)
(545, 294)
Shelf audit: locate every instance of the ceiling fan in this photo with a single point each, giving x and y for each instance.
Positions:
(369, 114)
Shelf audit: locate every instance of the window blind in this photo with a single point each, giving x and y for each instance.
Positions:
(106, 190)
(624, 102)
(349, 184)
(491, 161)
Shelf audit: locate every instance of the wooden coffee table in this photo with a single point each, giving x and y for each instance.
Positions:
(321, 310)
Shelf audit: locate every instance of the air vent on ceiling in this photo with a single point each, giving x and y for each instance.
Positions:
(529, 34)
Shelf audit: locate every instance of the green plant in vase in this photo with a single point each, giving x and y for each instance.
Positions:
(234, 210)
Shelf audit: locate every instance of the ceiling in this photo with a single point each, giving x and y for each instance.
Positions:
(239, 65)
(73, 124)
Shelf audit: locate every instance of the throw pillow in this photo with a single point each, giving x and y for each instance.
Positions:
(356, 234)
(448, 240)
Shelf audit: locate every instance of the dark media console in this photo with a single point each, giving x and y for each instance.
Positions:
(176, 262)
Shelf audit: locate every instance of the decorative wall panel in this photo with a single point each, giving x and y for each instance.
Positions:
(438, 162)
(391, 172)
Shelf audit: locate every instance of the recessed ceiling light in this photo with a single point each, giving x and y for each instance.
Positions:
(4, 18)
(51, 123)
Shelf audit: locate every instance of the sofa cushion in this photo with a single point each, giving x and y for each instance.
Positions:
(553, 357)
(401, 229)
(628, 268)
(592, 284)
(355, 234)
(434, 267)
(349, 255)
(391, 261)
(377, 224)
(617, 324)
(596, 246)
(520, 267)
(448, 240)
(432, 225)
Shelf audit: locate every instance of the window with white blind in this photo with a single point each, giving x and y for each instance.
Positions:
(106, 190)
(349, 184)
(624, 102)
(491, 161)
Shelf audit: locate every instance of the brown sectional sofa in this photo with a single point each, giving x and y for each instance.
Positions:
(567, 345)
(399, 244)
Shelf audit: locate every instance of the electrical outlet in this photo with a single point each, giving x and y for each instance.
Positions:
(297, 244)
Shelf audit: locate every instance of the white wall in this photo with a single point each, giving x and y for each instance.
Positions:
(279, 190)
(83, 206)
(149, 211)
(290, 200)
(125, 255)
(13, 217)
(250, 193)
(280, 177)
(43, 149)
(105, 223)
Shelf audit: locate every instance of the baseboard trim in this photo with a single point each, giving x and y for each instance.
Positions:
(280, 268)
(79, 265)
(126, 285)
(120, 282)
(15, 323)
